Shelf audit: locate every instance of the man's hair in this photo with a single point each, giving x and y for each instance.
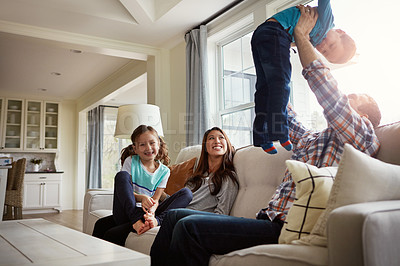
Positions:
(372, 110)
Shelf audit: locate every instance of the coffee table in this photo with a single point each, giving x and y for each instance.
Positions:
(40, 242)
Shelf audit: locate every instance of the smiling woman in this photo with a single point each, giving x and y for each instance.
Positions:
(214, 183)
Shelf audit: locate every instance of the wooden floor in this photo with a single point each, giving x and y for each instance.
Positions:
(68, 218)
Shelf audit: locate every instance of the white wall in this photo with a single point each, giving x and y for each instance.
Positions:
(66, 160)
(175, 130)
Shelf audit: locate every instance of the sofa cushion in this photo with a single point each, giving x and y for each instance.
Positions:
(259, 174)
(313, 186)
(92, 218)
(179, 173)
(389, 137)
(188, 153)
(360, 178)
(278, 254)
(143, 242)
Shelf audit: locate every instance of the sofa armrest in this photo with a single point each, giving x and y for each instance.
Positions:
(95, 199)
(364, 234)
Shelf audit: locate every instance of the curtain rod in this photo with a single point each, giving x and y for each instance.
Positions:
(216, 15)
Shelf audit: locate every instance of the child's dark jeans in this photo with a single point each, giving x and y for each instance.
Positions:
(271, 54)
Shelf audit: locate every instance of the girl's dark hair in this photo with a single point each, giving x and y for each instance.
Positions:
(162, 153)
(226, 169)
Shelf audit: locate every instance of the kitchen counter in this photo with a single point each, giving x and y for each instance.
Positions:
(44, 172)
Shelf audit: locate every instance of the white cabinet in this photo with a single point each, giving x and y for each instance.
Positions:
(12, 124)
(42, 191)
(28, 125)
(41, 126)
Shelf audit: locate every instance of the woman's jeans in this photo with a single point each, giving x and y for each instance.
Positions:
(270, 46)
(189, 237)
(116, 227)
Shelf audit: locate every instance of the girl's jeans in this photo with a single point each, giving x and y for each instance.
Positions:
(116, 228)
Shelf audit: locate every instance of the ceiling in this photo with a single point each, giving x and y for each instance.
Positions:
(39, 54)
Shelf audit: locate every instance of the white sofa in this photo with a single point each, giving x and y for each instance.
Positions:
(259, 174)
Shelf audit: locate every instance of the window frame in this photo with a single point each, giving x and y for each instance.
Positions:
(232, 33)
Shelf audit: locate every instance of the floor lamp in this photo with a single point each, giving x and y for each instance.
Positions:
(131, 116)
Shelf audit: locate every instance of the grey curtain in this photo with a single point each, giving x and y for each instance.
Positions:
(95, 146)
(197, 94)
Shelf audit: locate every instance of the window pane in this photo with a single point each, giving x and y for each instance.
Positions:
(238, 73)
(304, 102)
(232, 59)
(248, 65)
(239, 127)
(111, 148)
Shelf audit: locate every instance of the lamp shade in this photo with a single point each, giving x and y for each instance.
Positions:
(133, 115)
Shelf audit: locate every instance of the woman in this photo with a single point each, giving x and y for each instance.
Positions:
(214, 183)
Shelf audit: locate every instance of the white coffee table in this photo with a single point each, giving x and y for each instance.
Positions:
(40, 242)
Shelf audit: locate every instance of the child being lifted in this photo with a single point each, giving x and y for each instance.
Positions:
(271, 44)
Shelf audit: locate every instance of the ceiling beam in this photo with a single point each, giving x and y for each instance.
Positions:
(79, 41)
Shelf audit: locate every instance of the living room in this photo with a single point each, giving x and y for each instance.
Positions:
(157, 64)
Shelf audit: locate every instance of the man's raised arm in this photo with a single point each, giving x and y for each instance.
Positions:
(306, 23)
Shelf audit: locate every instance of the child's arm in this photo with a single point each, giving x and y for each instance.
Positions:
(140, 197)
(156, 199)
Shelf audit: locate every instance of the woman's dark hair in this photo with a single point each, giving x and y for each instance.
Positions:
(162, 153)
(225, 170)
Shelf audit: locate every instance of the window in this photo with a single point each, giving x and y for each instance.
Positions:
(112, 147)
(238, 86)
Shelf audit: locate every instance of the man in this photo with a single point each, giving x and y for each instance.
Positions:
(189, 238)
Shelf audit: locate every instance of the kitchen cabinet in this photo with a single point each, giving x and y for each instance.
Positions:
(42, 191)
(29, 125)
(41, 125)
(12, 124)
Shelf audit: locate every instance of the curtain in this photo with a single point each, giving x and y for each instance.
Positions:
(95, 146)
(197, 98)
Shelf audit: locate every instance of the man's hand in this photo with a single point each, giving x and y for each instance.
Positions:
(301, 34)
(307, 20)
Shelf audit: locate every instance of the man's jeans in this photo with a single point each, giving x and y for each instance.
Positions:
(271, 54)
(189, 237)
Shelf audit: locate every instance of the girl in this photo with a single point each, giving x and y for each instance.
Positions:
(142, 179)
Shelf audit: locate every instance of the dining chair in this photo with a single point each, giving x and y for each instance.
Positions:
(14, 193)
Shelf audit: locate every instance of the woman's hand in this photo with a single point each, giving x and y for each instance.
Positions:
(307, 20)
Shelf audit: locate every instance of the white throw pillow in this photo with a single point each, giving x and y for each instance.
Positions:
(360, 178)
(313, 186)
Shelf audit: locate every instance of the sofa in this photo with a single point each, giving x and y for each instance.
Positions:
(363, 233)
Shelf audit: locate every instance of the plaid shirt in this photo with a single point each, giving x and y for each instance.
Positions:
(322, 148)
